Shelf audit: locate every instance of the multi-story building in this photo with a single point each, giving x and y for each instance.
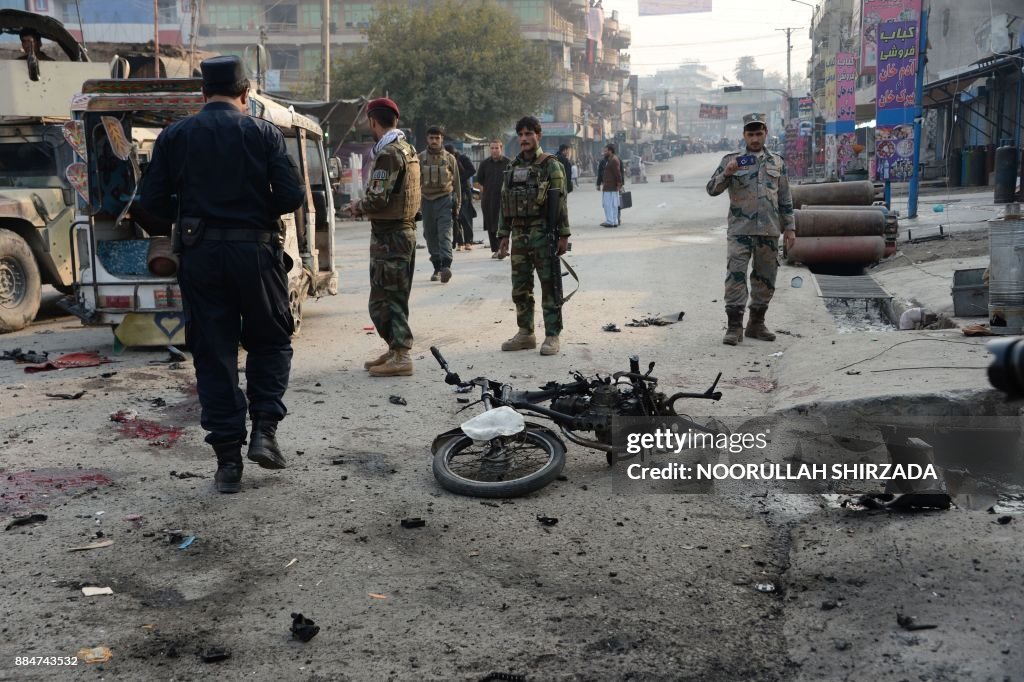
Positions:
(590, 96)
(684, 89)
(115, 22)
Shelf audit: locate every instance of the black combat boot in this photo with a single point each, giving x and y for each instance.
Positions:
(263, 443)
(229, 467)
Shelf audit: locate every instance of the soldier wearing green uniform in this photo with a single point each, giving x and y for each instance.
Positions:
(391, 202)
(760, 209)
(531, 183)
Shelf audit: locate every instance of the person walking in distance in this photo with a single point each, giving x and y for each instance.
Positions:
(489, 176)
(441, 189)
(563, 157)
(538, 232)
(464, 220)
(228, 178)
(391, 203)
(611, 185)
(760, 210)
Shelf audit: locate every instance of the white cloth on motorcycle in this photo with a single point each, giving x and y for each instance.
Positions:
(500, 421)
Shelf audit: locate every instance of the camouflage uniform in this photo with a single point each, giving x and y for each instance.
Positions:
(760, 208)
(441, 190)
(391, 203)
(523, 219)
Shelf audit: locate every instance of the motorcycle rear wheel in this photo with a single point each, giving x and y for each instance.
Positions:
(509, 466)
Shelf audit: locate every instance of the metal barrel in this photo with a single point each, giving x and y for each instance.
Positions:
(1006, 276)
(953, 170)
(848, 223)
(1006, 174)
(966, 161)
(860, 193)
(979, 168)
(160, 258)
(862, 250)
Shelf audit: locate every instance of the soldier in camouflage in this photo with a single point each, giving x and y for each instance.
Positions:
(441, 189)
(537, 245)
(760, 209)
(391, 202)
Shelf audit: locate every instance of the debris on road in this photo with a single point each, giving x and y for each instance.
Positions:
(96, 591)
(185, 474)
(414, 522)
(662, 321)
(215, 653)
(26, 520)
(504, 677)
(374, 595)
(910, 623)
(397, 400)
(95, 545)
(1003, 520)
(66, 396)
(977, 330)
(303, 629)
(547, 520)
(187, 542)
(28, 356)
(765, 587)
(98, 654)
(89, 358)
(610, 327)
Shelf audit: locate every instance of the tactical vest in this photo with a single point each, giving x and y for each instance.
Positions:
(526, 190)
(437, 174)
(404, 201)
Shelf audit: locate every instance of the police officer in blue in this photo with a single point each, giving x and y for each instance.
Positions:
(228, 179)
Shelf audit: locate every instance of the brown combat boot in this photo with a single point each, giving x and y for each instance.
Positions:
(523, 340)
(398, 365)
(734, 333)
(378, 361)
(756, 328)
(550, 346)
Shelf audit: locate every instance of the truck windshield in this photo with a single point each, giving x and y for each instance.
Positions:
(25, 163)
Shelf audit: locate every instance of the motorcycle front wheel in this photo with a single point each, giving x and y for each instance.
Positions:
(508, 466)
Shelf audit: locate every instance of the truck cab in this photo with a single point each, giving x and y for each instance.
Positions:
(125, 271)
(36, 200)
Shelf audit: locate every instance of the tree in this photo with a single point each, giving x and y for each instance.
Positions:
(461, 65)
(745, 66)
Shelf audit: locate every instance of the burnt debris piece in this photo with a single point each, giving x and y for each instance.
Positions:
(303, 629)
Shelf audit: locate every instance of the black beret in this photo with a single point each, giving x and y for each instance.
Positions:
(226, 70)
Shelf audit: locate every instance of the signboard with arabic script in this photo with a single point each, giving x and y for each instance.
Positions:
(897, 65)
(716, 111)
(874, 13)
(896, 99)
(655, 7)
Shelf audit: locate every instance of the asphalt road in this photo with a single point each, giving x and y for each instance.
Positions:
(632, 583)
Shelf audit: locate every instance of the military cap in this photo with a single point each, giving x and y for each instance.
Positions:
(752, 120)
(225, 70)
(382, 103)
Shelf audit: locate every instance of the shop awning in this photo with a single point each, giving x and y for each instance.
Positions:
(942, 92)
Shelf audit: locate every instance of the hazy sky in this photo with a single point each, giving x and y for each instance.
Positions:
(717, 38)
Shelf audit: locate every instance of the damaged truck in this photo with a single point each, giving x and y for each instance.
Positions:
(36, 200)
(124, 264)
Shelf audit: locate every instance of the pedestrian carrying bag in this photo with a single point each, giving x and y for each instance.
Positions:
(626, 200)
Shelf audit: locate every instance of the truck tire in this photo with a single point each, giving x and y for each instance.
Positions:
(20, 283)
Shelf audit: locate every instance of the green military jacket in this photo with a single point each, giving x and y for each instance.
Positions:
(393, 195)
(551, 175)
(760, 203)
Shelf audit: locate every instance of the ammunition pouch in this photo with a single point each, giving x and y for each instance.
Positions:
(522, 201)
(190, 231)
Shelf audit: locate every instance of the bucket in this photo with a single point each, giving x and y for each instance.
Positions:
(161, 259)
(1006, 276)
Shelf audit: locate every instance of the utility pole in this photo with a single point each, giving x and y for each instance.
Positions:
(156, 38)
(325, 40)
(789, 68)
(193, 28)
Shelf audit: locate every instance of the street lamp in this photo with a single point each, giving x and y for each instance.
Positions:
(814, 7)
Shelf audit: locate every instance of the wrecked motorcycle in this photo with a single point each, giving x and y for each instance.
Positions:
(500, 454)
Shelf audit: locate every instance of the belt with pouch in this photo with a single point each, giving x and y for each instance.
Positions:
(239, 235)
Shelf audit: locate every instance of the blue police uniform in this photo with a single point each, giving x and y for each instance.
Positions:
(228, 179)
